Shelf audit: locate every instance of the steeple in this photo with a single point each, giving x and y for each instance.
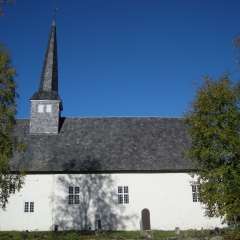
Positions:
(48, 87)
(46, 104)
(49, 77)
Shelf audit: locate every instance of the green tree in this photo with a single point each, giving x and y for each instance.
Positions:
(213, 118)
(236, 44)
(8, 142)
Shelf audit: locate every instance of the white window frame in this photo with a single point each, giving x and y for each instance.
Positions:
(29, 207)
(195, 193)
(49, 108)
(73, 195)
(40, 108)
(123, 195)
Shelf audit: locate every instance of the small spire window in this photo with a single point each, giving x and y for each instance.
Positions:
(49, 108)
(40, 108)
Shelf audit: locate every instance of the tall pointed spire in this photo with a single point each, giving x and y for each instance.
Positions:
(48, 87)
(46, 104)
(49, 77)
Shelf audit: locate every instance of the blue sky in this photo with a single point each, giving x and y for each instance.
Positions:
(122, 57)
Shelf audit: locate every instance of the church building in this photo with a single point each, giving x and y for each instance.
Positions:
(113, 169)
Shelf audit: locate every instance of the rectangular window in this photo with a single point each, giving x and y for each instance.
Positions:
(194, 194)
(73, 195)
(70, 191)
(120, 199)
(123, 195)
(126, 198)
(12, 188)
(40, 108)
(70, 199)
(29, 207)
(120, 190)
(76, 190)
(76, 199)
(49, 108)
(26, 205)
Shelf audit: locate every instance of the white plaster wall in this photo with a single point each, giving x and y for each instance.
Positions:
(97, 196)
(168, 197)
(39, 189)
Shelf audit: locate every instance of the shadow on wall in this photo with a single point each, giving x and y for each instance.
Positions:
(97, 200)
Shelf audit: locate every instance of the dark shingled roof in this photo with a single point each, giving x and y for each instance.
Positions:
(46, 96)
(116, 144)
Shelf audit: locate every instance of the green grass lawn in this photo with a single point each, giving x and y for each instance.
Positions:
(79, 235)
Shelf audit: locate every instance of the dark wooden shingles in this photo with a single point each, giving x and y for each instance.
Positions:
(106, 144)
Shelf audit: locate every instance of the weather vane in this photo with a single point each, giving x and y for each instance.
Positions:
(55, 10)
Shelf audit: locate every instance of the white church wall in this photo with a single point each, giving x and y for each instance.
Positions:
(168, 196)
(38, 189)
(97, 196)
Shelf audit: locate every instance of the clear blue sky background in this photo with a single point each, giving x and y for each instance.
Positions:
(122, 57)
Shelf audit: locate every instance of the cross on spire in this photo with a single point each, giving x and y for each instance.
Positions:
(55, 11)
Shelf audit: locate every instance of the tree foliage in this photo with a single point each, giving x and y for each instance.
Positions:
(4, 3)
(236, 44)
(8, 142)
(214, 127)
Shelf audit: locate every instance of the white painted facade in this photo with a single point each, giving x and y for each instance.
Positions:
(168, 196)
